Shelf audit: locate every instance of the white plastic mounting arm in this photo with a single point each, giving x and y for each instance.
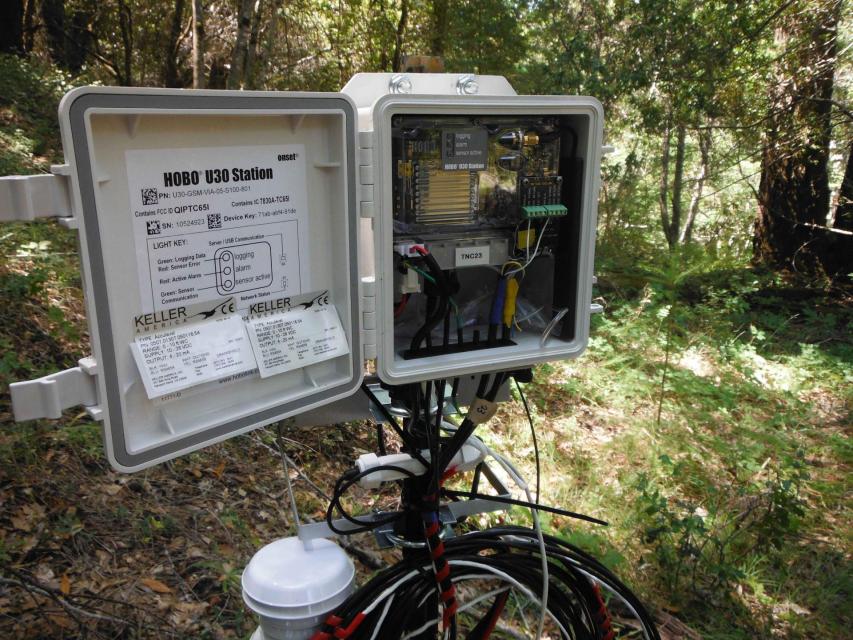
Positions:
(468, 457)
(25, 198)
(47, 397)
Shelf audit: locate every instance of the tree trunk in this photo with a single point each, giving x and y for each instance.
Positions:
(838, 256)
(12, 26)
(29, 27)
(249, 71)
(698, 186)
(663, 195)
(53, 17)
(396, 61)
(677, 186)
(198, 45)
(125, 22)
(843, 216)
(170, 74)
(438, 37)
(78, 40)
(218, 75)
(271, 43)
(238, 54)
(793, 195)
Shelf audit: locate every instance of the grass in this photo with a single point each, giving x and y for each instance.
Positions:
(730, 508)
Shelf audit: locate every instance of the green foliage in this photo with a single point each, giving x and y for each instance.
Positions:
(705, 541)
(599, 547)
(153, 528)
(29, 136)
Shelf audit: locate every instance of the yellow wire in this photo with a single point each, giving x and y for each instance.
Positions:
(509, 262)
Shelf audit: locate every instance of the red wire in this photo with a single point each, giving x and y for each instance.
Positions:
(496, 616)
(401, 306)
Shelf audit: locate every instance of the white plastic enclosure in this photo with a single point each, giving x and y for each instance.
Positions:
(585, 116)
(287, 225)
(241, 259)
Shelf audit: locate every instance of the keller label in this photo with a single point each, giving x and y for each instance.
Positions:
(288, 340)
(192, 354)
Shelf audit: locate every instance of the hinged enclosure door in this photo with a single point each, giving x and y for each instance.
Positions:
(218, 243)
(463, 177)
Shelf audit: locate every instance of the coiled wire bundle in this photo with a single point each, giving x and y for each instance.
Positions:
(495, 564)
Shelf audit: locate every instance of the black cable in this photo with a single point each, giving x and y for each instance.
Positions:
(453, 493)
(430, 310)
(392, 422)
(574, 602)
(380, 439)
(532, 433)
(460, 437)
(443, 302)
(497, 383)
(349, 479)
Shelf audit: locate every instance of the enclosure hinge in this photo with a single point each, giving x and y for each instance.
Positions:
(27, 198)
(47, 397)
(366, 177)
(368, 317)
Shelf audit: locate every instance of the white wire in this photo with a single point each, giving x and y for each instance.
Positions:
(462, 609)
(462, 578)
(513, 473)
(535, 251)
(390, 590)
(542, 608)
(506, 578)
(599, 581)
(537, 527)
(378, 624)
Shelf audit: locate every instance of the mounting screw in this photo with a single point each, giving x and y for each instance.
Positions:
(400, 84)
(467, 85)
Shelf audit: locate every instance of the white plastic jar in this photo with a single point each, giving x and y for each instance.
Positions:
(293, 586)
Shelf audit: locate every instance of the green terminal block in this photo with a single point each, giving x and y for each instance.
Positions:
(544, 211)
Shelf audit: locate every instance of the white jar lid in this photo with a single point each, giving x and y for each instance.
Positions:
(286, 574)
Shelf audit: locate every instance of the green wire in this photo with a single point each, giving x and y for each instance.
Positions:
(427, 276)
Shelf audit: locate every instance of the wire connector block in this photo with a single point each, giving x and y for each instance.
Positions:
(544, 211)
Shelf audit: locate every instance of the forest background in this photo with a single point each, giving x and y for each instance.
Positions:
(709, 421)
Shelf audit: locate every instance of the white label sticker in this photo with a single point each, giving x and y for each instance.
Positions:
(472, 256)
(205, 387)
(179, 358)
(217, 222)
(294, 339)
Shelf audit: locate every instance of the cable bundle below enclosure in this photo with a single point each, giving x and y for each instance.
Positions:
(496, 573)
